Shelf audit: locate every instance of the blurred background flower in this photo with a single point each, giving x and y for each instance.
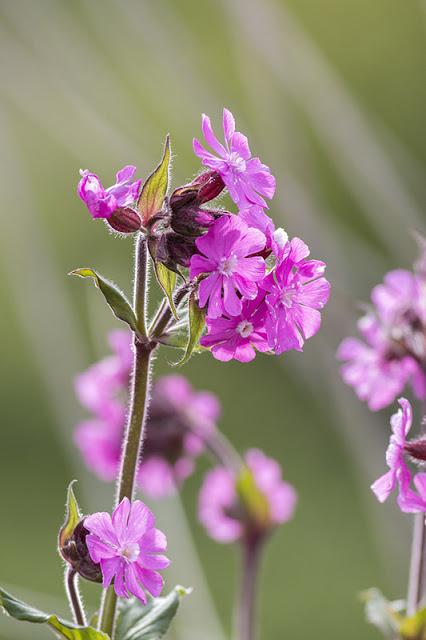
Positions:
(332, 97)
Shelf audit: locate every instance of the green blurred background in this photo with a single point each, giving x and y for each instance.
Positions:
(332, 95)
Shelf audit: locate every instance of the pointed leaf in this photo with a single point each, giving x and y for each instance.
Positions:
(155, 188)
(252, 498)
(62, 628)
(117, 301)
(72, 516)
(148, 622)
(196, 323)
(382, 613)
(167, 281)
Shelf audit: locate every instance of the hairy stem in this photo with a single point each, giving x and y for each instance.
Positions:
(251, 550)
(138, 408)
(159, 326)
(74, 597)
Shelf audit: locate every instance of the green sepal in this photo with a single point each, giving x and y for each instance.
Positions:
(72, 516)
(62, 628)
(151, 621)
(167, 281)
(115, 298)
(382, 613)
(253, 500)
(155, 188)
(196, 322)
(414, 627)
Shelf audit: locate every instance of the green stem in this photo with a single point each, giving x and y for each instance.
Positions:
(138, 408)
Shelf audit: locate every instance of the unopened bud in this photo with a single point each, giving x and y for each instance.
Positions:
(174, 249)
(207, 186)
(125, 220)
(74, 550)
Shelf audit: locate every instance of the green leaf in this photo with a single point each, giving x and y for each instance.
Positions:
(62, 629)
(252, 498)
(382, 613)
(167, 281)
(117, 301)
(72, 516)
(414, 627)
(155, 188)
(196, 321)
(151, 621)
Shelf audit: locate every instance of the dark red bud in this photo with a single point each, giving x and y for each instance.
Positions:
(76, 553)
(125, 220)
(174, 250)
(416, 449)
(204, 188)
(212, 187)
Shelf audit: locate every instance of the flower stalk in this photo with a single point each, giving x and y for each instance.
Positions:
(251, 552)
(417, 577)
(74, 597)
(138, 408)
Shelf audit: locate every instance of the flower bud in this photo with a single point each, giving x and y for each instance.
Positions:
(207, 186)
(74, 551)
(174, 249)
(125, 220)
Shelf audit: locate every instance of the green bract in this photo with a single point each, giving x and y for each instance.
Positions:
(117, 301)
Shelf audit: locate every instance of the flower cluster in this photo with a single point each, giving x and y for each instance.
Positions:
(223, 510)
(399, 475)
(393, 353)
(260, 290)
(180, 420)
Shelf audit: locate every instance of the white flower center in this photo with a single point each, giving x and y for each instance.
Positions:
(244, 328)
(280, 237)
(287, 297)
(227, 266)
(130, 552)
(236, 162)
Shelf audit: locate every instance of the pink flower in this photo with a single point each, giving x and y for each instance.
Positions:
(180, 421)
(129, 549)
(220, 509)
(414, 501)
(398, 471)
(102, 203)
(395, 333)
(276, 239)
(238, 337)
(372, 369)
(296, 291)
(228, 250)
(246, 178)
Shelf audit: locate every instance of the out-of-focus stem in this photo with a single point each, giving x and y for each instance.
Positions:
(251, 551)
(138, 407)
(74, 597)
(223, 451)
(417, 578)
